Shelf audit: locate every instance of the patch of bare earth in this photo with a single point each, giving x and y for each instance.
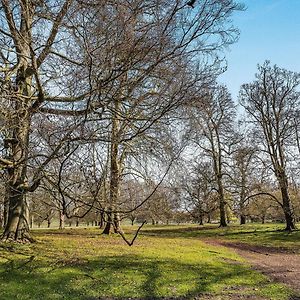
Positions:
(277, 263)
(200, 297)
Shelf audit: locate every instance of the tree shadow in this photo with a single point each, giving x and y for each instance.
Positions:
(180, 232)
(113, 277)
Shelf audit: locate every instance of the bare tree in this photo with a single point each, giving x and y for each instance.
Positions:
(88, 61)
(22, 55)
(212, 125)
(272, 102)
(243, 176)
(44, 70)
(160, 54)
(200, 193)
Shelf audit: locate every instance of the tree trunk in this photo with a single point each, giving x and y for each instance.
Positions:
(17, 226)
(48, 223)
(222, 203)
(286, 202)
(102, 220)
(201, 219)
(6, 207)
(222, 211)
(117, 223)
(108, 225)
(17, 149)
(208, 218)
(17, 216)
(61, 220)
(115, 172)
(288, 214)
(242, 219)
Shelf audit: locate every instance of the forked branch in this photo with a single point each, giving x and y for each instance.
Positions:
(130, 243)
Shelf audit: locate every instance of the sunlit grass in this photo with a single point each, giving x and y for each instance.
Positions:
(164, 262)
(269, 235)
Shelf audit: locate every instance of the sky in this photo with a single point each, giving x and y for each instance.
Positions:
(269, 30)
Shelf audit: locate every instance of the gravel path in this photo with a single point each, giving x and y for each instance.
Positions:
(276, 263)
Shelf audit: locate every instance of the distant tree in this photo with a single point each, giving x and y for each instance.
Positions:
(264, 206)
(212, 120)
(243, 173)
(199, 191)
(41, 208)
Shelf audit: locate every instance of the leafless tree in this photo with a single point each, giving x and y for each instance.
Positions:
(243, 176)
(212, 120)
(272, 102)
(124, 65)
(159, 56)
(199, 188)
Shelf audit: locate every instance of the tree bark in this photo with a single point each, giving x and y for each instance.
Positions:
(242, 219)
(201, 219)
(113, 219)
(108, 225)
(288, 214)
(17, 226)
(222, 204)
(102, 220)
(61, 220)
(223, 222)
(117, 223)
(286, 202)
(6, 208)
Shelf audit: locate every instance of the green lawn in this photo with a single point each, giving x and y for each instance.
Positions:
(164, 262)
(269, 235)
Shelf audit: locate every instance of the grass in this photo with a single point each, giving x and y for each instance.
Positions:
(165, 261)
(269, 235)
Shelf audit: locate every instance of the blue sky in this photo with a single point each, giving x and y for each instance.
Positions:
(269, 30)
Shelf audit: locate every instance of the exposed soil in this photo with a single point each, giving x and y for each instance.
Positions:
(277, 263)
(200, 297)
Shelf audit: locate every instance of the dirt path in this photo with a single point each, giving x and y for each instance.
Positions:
(276, 263)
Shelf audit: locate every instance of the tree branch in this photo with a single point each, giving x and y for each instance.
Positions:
(130, 243)
(53, 32)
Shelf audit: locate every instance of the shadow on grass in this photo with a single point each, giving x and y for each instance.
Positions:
(180, 232)
(113, 277)
(243, 234)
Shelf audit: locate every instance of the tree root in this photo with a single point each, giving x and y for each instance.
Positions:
(23, 238)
